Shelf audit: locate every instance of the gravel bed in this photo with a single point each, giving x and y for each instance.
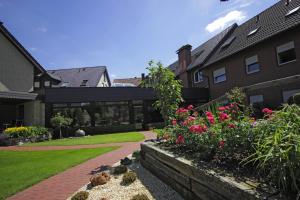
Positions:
(146, 183)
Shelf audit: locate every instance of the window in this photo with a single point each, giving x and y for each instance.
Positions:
(228, 42)
(292, 11)
(36, 84)
(219, 75)
(256, 99)
(252, 64)
(198, 76)
(65, 84)
(253, 32)
(287, 94)
(286, 53)
(47, 83)
(83, 83)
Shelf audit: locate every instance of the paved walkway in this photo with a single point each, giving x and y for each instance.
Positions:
(64, 184)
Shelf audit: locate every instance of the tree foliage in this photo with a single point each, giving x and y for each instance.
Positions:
(167, 88)
(59, 121)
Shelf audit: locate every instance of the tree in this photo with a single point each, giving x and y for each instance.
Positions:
(166, 87)
(59, 121)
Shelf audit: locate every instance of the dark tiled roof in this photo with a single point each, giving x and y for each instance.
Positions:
(134, 81)
(269, 23)
(17, 95)
(74, 76)
(204, 51)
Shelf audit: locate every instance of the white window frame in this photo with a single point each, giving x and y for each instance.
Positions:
(200, 73)
(285, 47)
(249, 61)
(286, 94)
(256, 99)
(37, 84)
(47, 83)
(219, 72)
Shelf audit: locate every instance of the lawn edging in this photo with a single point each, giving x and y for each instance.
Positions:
(194, 183)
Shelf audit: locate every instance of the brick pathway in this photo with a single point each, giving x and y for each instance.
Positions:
(64, 184)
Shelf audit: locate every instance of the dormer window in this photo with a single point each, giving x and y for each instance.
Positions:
(198, 76)
(293, 11)
(253, 31)
(83, 83)
(228, 42)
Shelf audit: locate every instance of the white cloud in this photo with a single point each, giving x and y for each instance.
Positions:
(32, 48)
(42, 29)
(224, 21)
(113, 76)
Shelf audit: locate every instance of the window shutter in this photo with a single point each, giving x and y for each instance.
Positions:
(219, 72)
(251, 60)
(285, 47)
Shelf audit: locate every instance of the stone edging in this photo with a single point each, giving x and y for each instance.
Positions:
(192, 182)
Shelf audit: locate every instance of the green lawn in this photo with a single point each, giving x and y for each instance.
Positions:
(21, 169)
(96, 139)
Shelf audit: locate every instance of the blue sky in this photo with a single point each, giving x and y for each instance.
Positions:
(120, 34)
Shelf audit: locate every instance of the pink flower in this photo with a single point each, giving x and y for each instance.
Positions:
(181, 110)
(198, 129)
(222, 108)
(231, 126)
(190, 107)
(185, 123)
(191, 118)
(223, 116)
(180, 140)
(208, 114)
(211, 119)
(174, 122)
(227, 107)
(221, 144)
(267, 111)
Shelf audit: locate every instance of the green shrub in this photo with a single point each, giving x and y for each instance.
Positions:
(140, 197)
(128, 178)
(120, 169)
(26, 131)
(277, 147)
(82, 195)
(136, 155)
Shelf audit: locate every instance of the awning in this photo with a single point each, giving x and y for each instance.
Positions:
(11, 96)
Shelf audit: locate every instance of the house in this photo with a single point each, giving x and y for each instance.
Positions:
(81, 77)
(261, 55)
(127, 82)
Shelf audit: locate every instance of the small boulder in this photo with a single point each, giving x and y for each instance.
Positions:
(100, 179)
(126, 161)
(80, 133)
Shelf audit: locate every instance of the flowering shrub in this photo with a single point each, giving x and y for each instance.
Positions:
(26, 131)
(228, 135)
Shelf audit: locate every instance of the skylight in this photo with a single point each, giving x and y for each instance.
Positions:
(253, 31)
(228, 42)
(293, 11)
(83, 83)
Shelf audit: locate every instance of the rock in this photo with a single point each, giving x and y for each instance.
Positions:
(100, 179)
(126, 161)
(20, 143)
(80, 133)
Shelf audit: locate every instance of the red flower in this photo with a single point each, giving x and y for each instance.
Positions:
(180, 140)
(198, 129)
(181, 110)
(223, 116)
(211, 119)
(231, 126)
(267, 111)
(208, 114)
(222, 108)
(174, 122)
(221, 144)
(227, 107)
(190, 107)
(191, 118)
(185, 123)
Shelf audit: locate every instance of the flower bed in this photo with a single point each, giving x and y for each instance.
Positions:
(228, 139)
(23, 134)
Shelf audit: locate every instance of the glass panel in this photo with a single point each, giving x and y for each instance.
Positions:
(287, 56)
(220, 78)
(255, 67)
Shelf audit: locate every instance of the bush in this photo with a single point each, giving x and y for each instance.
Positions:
(140, 197)
(100, 179)
(120, 169)
(128, 178)
(82, 195)
(136, 155)
(27, 132)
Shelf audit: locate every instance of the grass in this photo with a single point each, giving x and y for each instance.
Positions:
(21, 169)
(96, 139)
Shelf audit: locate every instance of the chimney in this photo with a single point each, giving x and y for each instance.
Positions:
(184, 57)
(143, 76)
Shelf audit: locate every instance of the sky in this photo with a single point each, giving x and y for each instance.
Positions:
(123, 35)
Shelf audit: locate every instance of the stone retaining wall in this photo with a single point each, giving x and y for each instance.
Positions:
(194, 183)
